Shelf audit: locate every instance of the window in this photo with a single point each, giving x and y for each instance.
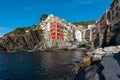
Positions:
(112, 18)
(117, 7)
(103, 18)
(117, 14)
(117, 1)
(112, 11)
(108, 15)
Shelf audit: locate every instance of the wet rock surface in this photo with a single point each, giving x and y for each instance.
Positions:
(100, 64)
(107, 69)
(86, 73)
(111, 66)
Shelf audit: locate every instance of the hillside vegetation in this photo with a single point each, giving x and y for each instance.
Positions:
(19, 30)
(85, 23)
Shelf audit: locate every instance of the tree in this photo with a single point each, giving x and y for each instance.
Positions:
(43, 17)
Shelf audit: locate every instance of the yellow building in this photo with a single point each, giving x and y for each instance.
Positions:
(65, 34)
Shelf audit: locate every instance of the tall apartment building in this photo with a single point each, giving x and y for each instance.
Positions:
(101, 26)
(104, 21)
(115, 22)
(108, 23)
(115, 12)
(56, 31)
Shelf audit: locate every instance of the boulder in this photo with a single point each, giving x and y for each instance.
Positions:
(97, 57)
(99, 51)
(109, 50)
(90, 53)
(86, 59)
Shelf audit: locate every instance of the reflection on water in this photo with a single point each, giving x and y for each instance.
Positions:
(38, 66)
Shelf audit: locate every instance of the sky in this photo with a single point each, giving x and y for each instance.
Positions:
(22, 13)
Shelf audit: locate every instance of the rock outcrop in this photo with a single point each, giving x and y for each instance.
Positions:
(96, 65)
(97, 55)
(21, 42)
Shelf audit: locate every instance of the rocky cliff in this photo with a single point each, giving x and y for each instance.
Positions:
(25, 41)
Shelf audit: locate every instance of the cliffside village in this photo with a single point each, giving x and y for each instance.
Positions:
(58, 33)
(103, 33)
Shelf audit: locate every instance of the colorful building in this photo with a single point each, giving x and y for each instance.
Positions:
(78, 35)
(56, 31)
(65, 34)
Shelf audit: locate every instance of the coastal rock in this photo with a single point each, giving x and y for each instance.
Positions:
(109, 50)
(111, 66)
(87, 74)
(118, 47)
(97, 57)
(21, 42)
(86, 59)
(102, 60)
(2, 48)
(90, 53)
(99, 51)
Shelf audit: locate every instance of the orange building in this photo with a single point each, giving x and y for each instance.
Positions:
(56, 31)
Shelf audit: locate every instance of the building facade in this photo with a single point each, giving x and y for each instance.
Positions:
(115, 12)
(58, 29)
(107, 27)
